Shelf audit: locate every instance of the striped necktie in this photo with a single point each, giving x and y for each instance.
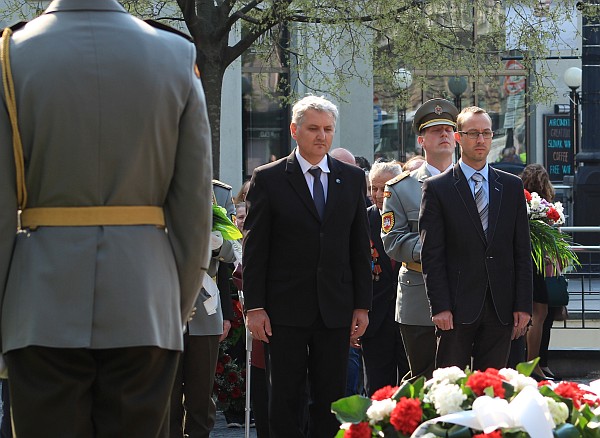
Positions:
(481, 200)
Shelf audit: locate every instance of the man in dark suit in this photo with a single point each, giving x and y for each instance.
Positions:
(307, 276)
(476, 253)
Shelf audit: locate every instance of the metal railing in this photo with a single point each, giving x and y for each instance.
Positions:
(584, 283)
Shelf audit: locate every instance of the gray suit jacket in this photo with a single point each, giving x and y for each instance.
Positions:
(111, 113)
(402, 243)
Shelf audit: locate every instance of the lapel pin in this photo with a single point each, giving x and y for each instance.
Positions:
(337, 181)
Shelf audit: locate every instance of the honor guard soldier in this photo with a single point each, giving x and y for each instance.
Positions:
(434, 123)
(111, 148)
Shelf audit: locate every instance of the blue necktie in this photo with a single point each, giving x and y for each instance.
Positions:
(318, 192)
(480, 200)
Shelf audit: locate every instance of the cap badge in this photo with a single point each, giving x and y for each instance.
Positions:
(438, 110)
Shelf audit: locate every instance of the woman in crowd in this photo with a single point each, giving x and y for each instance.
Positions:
(535, 179)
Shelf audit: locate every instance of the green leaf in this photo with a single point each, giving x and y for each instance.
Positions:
(340, 434)
(526, 368)
(566, 430)
(405, 390)
(223, 224)
(457, 431)
(548, 241)
(351, 409)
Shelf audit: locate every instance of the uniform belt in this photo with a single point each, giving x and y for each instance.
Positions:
(413, 266)
(92, 216)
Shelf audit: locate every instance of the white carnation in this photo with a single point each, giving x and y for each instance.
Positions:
(447, 398)
(380, 410)
(450, 374)
(516, 379)
(558, 410)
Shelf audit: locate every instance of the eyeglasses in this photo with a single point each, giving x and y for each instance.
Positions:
(475, 134)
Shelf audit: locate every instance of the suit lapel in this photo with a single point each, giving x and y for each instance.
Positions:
(464, 191)
(495, 189)
(334, 186)
(298, 183)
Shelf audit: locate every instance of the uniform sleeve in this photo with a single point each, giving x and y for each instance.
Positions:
(400, 236)
(188, 208)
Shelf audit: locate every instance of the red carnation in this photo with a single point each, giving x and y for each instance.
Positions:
(232, 377)
(407, 415)
(553, 214)
(236, 392)
(573, 391)
(222, 397)
(478, 381)
(226, 358)
(360, 430)
(384, 393)
(495, 434)
(220, 368)
(527, 195)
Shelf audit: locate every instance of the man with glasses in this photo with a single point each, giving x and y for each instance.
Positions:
(434, 123)
(475, 253)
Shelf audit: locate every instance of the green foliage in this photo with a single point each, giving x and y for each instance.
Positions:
(526, 368)
(351, 409)
(548, 241)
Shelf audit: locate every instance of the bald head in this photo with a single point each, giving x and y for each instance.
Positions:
(343, 155)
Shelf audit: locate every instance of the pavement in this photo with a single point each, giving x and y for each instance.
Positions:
(221, 429)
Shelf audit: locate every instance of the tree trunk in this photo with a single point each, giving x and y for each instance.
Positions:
(212, 81)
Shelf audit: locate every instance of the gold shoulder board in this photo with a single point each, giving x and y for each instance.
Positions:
(397, 178)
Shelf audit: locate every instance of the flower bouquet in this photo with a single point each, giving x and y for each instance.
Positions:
(494, 403)
(229, 387)
(546, 240)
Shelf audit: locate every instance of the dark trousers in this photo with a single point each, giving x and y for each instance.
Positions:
(5, 423)
(77, 392)
(487, 341)
(260, 401)
(384, 356)
(420, 343)
(294, 355)
(193, 388)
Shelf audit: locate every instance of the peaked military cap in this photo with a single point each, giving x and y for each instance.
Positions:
(434, 112)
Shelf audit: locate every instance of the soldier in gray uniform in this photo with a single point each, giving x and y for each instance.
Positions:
(434, 123)
(94, 290)
(196, 372)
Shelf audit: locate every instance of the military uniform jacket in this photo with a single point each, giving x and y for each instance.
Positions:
(401, 241)
(203, 324)
(111, 113)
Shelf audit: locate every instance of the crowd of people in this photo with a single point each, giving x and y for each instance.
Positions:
(117, 289)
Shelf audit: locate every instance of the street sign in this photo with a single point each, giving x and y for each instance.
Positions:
(558, 150)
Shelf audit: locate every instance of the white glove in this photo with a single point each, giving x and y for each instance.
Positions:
(216, 240)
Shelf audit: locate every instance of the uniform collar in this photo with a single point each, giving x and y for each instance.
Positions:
(88, 5)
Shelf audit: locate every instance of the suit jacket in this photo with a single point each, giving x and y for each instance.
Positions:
(118, 117)
(297, 267)
(459, 263)
(384, 289)
(403, 243)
